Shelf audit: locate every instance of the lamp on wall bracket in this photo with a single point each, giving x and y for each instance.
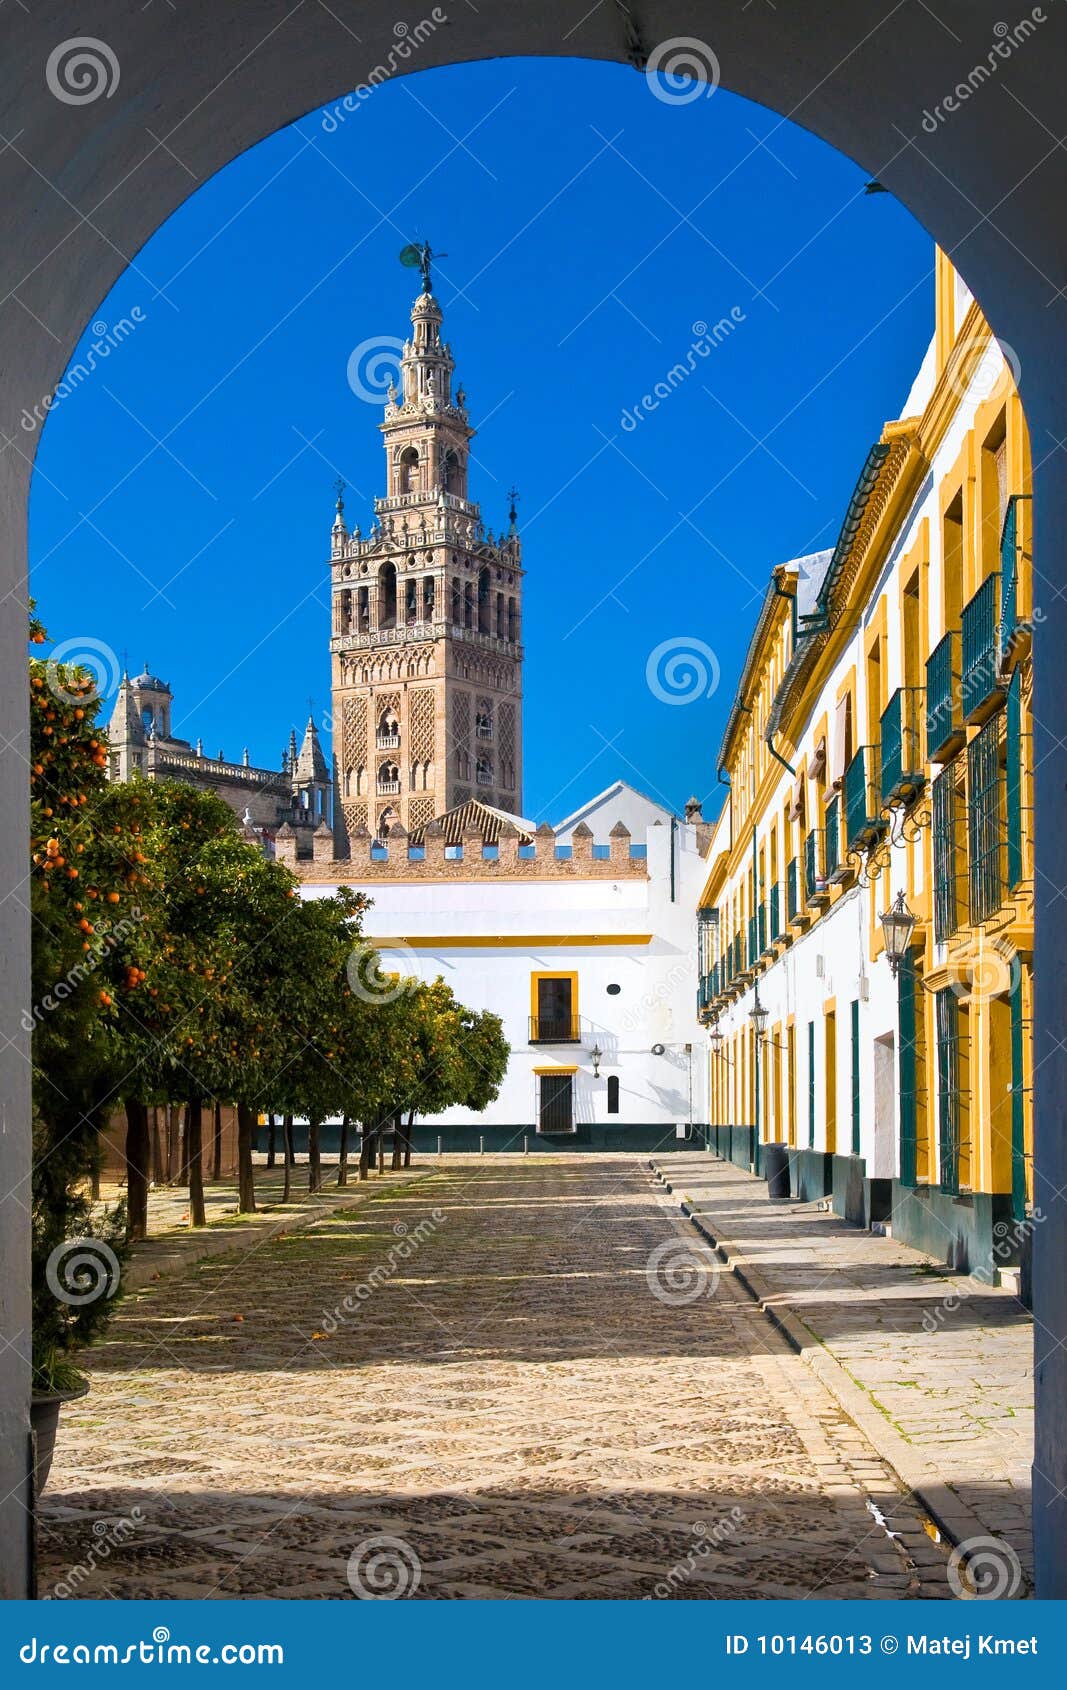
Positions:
(898, 925)
(716, 1037)
(595, 1056)
(758, 1016)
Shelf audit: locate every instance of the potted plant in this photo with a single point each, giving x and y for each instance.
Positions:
(77, 1261)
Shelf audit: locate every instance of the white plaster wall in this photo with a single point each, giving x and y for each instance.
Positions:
(658, 980)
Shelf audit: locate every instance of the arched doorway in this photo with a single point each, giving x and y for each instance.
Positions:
(976, 158)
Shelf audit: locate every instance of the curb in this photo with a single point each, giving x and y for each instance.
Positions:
(956, 1522)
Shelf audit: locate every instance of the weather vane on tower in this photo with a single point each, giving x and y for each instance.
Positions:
(419, 255)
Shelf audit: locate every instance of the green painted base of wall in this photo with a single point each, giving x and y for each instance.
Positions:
(956, 1230)
(848, 1188)
(811, 1175)
(472, 1138)
(734, 1144)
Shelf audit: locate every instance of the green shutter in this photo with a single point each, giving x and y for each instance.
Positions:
(943, 803)
(947, 1009)
(1018, 1129)
(908, 1069)
(984, 823)
(1014, 779)
(811, 1085)
(855, 1076)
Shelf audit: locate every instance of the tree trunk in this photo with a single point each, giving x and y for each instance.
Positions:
(398, 1139)
(288, 1157)
(171, 1138)
(407, 1138)
(271, 1143)
(314, 1155)
(216, 1143)
(183, 1145)
(157, 1148)
(366, 1147)
(137, 1153)
(195, 1162)
(381, 1147)
(246, 1187)
(342, 1153)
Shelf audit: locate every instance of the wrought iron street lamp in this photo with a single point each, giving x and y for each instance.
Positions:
(758, 1016)
(595, 1054)
(716, 1038)
(898, 925)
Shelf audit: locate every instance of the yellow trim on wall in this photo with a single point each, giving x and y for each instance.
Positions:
(521, 941)
(560, 1070)
(554, 974)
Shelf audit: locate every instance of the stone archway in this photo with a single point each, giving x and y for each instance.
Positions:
(89, 172)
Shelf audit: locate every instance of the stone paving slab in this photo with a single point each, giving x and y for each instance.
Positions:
(938, 1368)
(508, 1379)
(172, 1243)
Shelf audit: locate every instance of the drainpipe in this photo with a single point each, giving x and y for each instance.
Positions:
(674, 835)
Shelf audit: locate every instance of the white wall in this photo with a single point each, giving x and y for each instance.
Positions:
(655, 1005)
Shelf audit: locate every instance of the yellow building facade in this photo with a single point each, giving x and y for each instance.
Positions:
(878, 758)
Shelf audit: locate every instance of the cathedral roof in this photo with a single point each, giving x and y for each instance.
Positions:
(485, 819)
(149, 682)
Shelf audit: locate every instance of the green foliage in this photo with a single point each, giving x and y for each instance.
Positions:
(172, 961)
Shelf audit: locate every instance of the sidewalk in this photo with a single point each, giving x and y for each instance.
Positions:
(936, 1368)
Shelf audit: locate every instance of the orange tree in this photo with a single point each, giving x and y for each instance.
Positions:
(78, 877)
(458, 1057)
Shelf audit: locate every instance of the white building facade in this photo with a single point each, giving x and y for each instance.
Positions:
(583, 946)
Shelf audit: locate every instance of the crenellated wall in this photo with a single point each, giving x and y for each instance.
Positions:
(510, 859)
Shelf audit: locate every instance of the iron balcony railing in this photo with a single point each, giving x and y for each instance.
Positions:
(752, 951)
(554, 1029)
(944, 729)
(761, 915)
(903, 776)
(792, 909)
(979, 632)
(775, 913)
(864, 821)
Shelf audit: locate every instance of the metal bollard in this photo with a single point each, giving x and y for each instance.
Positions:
(481, 1145)
(439, 1144)
(526, 1144)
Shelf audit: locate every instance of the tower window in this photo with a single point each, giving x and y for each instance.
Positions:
(613, 1094)
(408, 471)
(387, 596)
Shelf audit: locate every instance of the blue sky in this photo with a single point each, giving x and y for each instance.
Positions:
(183, 493)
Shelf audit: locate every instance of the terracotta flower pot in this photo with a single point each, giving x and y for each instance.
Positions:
(44, 1421)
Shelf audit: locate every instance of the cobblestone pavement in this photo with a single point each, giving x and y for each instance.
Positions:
(946, 1360)
(541, 1392)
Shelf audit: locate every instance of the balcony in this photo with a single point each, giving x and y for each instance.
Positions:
(837, 871)
(753, 951)
(388, 788)
(980, 638)
(816, 891)
(903, 776)
(484, 730)
(554, 1030)
(387, 742)
(775, 914)
(944, 730)
(761, 915)
(864, 822)
(484, 777)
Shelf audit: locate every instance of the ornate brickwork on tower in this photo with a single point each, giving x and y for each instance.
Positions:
(427, 607)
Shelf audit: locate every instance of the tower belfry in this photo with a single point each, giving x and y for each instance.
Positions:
(426, 646)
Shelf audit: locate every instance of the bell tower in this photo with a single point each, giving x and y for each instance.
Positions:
(427, 616)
